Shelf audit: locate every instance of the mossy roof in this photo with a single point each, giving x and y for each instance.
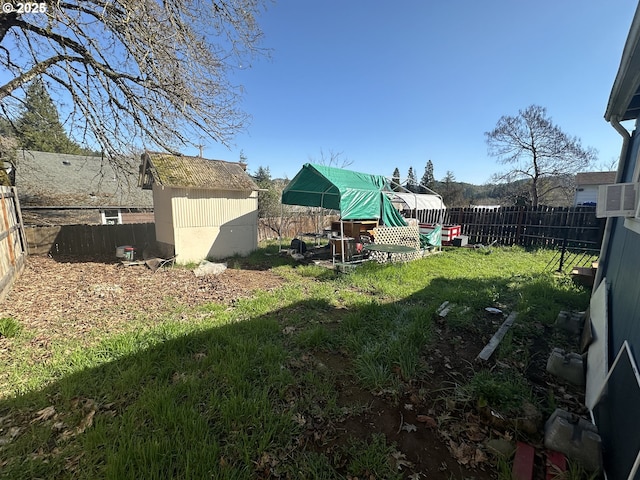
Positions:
(196, 172)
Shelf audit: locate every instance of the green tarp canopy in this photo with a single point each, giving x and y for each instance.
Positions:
(432, 239)
(358, 196)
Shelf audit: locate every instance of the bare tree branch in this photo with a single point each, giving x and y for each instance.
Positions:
(331, 159)
(151, 73)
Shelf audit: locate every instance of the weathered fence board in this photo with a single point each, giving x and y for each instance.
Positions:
(294, 225)
(89, 239)
(13, 247)
(526, 226)
(575, 229)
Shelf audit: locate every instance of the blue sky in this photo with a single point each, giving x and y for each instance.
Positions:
(394, 84)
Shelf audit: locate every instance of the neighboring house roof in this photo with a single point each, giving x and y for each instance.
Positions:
(595, 178)
(194, 172)
(624, 101)
(54, 179)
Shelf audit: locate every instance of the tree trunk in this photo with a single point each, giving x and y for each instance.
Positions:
(534, 193)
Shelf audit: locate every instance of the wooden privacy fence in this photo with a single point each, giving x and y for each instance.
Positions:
(294, 225)
(13, 246)
(103, 239)
(554, 227)
(570, 228)
(89, 239)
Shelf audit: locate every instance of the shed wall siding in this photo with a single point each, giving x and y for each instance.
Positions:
(197, 243)
(206, 223)
(206, 208)
(163, 215)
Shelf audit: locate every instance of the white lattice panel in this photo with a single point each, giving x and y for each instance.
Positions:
(407, 236)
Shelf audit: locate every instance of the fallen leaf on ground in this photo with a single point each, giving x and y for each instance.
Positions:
(401, 460)
(480, 456)
(463, 453)
(409, 427)
(86, 422)
(44, 414)
(475, 434)
(427, 420)
(11, 434)
(467, 454)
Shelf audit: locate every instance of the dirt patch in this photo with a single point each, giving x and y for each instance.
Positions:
(433, 435)
(72, 296)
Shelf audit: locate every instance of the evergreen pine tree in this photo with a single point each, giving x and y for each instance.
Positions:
(412, 181)
(262, 176)
(6, 130)
(396, 180)
(428, 179)
(268, 197)
(452, 194)
(39, 126)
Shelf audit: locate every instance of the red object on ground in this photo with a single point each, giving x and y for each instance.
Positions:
(556, 464)
(523, 462)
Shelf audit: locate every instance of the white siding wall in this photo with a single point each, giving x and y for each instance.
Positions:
(163, 215)
(206, 208)
(215, 224)
(589, 193)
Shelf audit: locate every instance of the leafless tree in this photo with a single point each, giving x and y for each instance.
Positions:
(535, 149)
(331, 159)
(154, 73)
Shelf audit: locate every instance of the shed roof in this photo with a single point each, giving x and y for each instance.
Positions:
(196, 172)
(55, 179)
(595, 178)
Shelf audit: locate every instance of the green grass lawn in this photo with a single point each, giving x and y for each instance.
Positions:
(240, 392)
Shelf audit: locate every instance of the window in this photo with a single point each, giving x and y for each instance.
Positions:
(111, 217)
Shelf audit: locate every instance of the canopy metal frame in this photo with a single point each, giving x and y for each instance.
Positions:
(393, 183)
(390, 187)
